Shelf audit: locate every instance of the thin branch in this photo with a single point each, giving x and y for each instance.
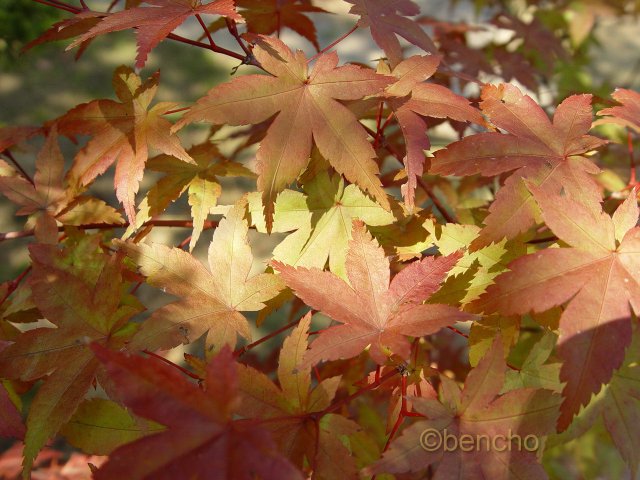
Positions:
(175, 365)
(171, 36)
(106, 226)
(436, 201)
(206, 30)
(459, 332)
(453, 73)
(169, 112)
(195, 43)
(246, 348)
(111, 5)
(334, 43)
(66, 8)
(337, 405)
(12, 159)
(233, 30)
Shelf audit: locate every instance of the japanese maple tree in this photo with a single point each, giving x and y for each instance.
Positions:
(423, 263)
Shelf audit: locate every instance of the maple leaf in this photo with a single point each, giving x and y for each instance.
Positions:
(373, 311)
(598, 276)
(535, 371)
(387, 20)
(536, 38)
(477, 412)
(201, 439)
(322, 220)
(10, 136)
(10, 420)
(210, 302)
(99, 426)
(410, 99)
(545, 153)
(299, 436)
(308, 102)
(270, 16)
(48, 199)
(620, 407)
(200, 180)
(154, 23)
(486, 263)
(627, 114)
(122, 131)
(79, 24)
(85, 304)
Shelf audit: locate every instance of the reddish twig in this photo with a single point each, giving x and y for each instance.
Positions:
(14, 284)
(206, 30)
(67, 8)
(169, 112)
(337, 405)
(105, 226)
(454, 329)
(233, 30)
(246, 348)
(175, 365)
(334, 43)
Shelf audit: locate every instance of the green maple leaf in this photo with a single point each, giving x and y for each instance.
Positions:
(199, 180)
(322, 221)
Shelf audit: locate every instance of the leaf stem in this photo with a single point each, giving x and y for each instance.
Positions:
(334, 43)
(233, 30)
(175, 365)
(169, 112)
(246, 348)
(67, 8)
(206, 30)
(337, 405)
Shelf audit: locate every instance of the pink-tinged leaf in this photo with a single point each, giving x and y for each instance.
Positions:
(493, 422)
(628, 114)
(599, 280)
(154, 23)
(10, 136)
(123, 132)
(547, 153)
(387, 21)
(201, 437)
(373, 311)
(411, 100)
(308, 100)
(626, 215)
(10, 420)
(265, 17)
(210, 302)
